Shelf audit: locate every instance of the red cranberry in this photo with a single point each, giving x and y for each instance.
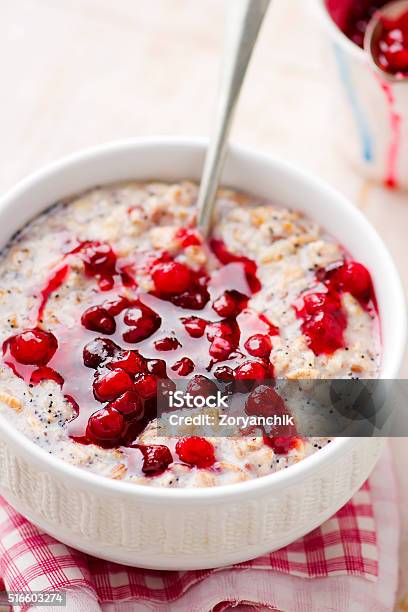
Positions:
(146, 386)
(265, 401)
(170, 343)
(230, 303)
(156, 458)
(129, 404)
(106, 283)
(250, 370)
(105, 425)
(157, 367)
(220, 329)
(221, 348)
(183, 367)
(164, 388)
(354, 278)
(46, 373)
(315, 302)
(250, 373)
(201, 385)
(224, 373)
(195, 326)
(324, 332)
(281, 445)
(143, 321)
(187, 237)
(171, 278)
(259, 345)
(97, 351)
(33, 347)
(98, 258)
(98, 319)
(224, 329)
(112, 384)
(130, 361)
(196, 451)
(193, 299)
(115, 307)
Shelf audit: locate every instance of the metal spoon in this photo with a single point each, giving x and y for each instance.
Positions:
(245, 22)
(391, 10)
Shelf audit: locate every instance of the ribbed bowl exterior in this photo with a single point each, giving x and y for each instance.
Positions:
(167, 535)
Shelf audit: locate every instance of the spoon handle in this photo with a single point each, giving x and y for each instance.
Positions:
(245, 22)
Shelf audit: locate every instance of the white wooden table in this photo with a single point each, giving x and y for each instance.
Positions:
(76, 73)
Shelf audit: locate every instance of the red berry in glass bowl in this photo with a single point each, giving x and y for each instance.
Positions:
(156, 458)
(46, 373)
(143, 322)
(259, 345)
(110, 385)
(196, 451)
(129, 404)
(97, 351)
(130, 361)
(98, 258)
(33, 347)
(146, 385)
(170, 343)
(183, 367)
(98, 319)
(171, 278)
(105, 426)
(195, 326)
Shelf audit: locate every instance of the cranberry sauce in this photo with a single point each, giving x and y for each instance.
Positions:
(323, 318)
(193, 323)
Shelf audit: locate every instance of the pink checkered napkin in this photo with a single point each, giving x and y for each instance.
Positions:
(344, 550)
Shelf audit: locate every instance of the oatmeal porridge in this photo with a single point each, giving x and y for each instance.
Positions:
(106, 294)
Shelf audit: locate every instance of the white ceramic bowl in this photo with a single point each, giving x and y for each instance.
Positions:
(369, 116)
(200, 528)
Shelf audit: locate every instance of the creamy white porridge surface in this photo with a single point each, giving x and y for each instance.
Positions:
(119, 270)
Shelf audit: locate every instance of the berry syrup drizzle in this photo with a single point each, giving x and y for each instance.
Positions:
(192, 323)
